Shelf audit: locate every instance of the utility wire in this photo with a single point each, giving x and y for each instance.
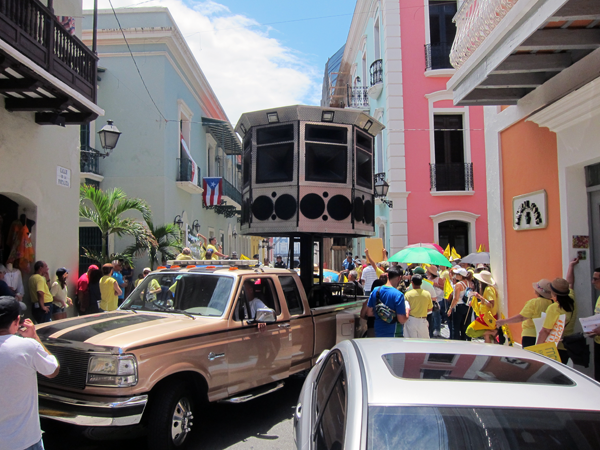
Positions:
(135, 63)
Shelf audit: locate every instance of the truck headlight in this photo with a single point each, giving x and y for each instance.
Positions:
(112, 371)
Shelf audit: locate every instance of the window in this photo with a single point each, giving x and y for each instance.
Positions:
(377, 39)
(449, 172)
(291, 294)
(255, 288)
(330, 405)
(441, 33)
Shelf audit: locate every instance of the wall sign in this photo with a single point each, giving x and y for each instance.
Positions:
(530, 211)
(63, 177)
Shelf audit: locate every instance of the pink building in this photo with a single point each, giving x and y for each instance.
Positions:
(395, 65)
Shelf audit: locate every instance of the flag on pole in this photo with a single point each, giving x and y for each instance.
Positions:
(447, 252)
(192, 163)
(244, 257)
(213, 190)
(447, 288)
(481, 248)
(453, 255)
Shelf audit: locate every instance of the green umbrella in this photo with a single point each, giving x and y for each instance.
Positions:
(420, 255)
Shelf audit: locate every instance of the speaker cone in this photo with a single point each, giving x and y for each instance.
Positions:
(262, 207)
(339, 207)
(369, 212)
(285, 207)
(359, 210)
(312, 206)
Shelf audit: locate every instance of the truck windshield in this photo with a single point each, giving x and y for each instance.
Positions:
(433, 428)
(191, 293)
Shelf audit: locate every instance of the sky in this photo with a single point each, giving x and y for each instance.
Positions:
(258, 54)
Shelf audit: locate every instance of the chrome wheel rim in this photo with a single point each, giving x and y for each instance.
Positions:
(181, 423)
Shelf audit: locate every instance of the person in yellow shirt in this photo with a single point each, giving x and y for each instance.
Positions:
(40, 295)
(420, 305)
(596, 332)
(485, 305)
(185, 255)
(109, 289)
(211, 244)
(533, 309)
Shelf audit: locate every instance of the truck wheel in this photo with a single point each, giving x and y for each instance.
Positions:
(170, 419)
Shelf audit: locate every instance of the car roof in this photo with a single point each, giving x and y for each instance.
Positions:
(222, 267)
(385, 388)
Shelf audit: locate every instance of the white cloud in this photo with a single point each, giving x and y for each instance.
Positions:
(247, 69)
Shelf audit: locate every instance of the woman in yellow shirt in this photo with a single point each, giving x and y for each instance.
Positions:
(109, 289)
(485, 305)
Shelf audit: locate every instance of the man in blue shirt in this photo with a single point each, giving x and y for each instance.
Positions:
(348, 263)
(117, 267)
(392, 298)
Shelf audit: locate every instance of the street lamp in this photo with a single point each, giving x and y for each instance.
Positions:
(381, 189)
(177, 221)
(109, 136)
(196, 226)
(234, 234)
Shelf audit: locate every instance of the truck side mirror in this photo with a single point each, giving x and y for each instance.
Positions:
(265, 315)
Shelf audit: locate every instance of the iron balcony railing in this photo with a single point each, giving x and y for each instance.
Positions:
(185, 172)
(33, 30)
(89, 162)
(451, 177)
(437, 56)
(229, 190)
(357, 96)
(376, 72)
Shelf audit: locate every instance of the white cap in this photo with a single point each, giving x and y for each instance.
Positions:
(460, 271)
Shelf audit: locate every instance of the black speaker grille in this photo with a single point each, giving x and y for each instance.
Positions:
(321, 133)
(275, 163)
(359, 209)
(326, 163)
(275, 133)
(285, 207)
(312, 206)
(246, 211)
(364, 169)
(339, 207)
(262, 207)
(369, 212)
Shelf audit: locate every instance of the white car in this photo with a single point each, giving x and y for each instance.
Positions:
(394, 394)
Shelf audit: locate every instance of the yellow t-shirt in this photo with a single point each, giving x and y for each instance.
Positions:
(214, 249)
(182, 257)
(490, 294)
(554, 311)
(38, 283)
(533, 309)
(109, 300)
(597, 311)
(419, 301)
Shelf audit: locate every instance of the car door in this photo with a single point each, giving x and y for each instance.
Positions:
(256, 357)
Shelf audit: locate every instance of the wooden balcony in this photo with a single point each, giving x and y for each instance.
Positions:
(43, 68)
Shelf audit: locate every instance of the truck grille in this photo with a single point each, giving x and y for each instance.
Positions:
(73, 367)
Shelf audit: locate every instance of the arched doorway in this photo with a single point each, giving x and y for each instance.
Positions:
(455, 233)
(15, 209)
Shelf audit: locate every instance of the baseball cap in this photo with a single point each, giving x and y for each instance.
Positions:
(11, 308)
(147, 269)
(419, 271)
(460, 271)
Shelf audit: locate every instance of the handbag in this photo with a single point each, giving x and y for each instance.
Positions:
(384, 312)
(436, 306)
(578, 349)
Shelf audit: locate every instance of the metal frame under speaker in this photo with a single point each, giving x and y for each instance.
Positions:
(272, 210)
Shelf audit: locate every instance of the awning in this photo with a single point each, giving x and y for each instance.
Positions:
(223, 133)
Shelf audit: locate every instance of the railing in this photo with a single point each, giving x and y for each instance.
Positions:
(357, 96)
(376, 72)
(437, 56)
(185, 172)
(89, 162)
(33, 30)
(451, 177)
(229, 190)
(475, 20)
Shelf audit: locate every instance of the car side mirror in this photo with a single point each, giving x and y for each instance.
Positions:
(265, 315)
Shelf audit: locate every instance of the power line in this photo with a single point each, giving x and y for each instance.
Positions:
(134, 61)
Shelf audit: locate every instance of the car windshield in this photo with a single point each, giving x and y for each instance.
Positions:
(433, 428)
(190, 293)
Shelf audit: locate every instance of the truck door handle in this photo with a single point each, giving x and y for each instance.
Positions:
(284, 325)
(212, 356)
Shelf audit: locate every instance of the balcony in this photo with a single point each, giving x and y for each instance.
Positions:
(89, 163)
(437, 56)
(186, 178)
(357, 97)
(376, 78)
(231, 194)
(43, 68)
(451, 177)
(505, 50)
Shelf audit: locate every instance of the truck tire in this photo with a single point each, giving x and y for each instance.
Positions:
(170, 419)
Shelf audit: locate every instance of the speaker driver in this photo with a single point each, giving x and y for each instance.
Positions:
(369, 212)
(359, 209)
(285, 207)
(246, 211)
(312, 206)
(262, 207)
(339, 207)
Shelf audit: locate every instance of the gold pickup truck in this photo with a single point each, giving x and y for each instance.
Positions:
(190, 335)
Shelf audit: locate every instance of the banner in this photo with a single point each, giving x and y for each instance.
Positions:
(184, 147)
(213, 190)
(547, 349)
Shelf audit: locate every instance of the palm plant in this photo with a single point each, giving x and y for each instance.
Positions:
(105, 209)
(167, 243)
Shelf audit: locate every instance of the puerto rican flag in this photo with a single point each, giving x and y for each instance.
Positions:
(185, 148)
(213, 190)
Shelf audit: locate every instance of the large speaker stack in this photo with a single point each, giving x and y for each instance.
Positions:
(308, 169)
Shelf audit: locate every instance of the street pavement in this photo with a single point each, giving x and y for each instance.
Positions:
(264, 423)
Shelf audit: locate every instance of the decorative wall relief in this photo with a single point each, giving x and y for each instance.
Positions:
(530, 211)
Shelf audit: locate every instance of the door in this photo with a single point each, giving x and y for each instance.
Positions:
(455, 233)
(595, 225)
(257, 357)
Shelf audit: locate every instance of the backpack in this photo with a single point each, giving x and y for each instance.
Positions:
(466, 297)
(384, 312)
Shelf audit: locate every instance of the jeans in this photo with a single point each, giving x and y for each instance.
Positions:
(37, 446)
(436, 322)
(459, 327)
(42, 317)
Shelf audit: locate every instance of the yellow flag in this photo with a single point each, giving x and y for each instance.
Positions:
(481, 248)
(447, 252)
(454, 255)
(447, 288)
(243, 257)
